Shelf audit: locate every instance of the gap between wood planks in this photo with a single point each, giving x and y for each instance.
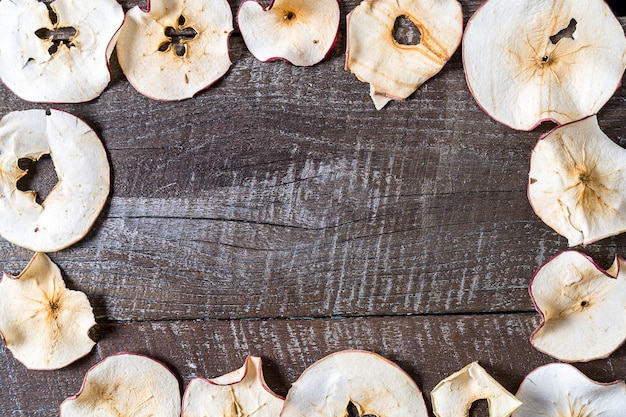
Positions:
(321, 317)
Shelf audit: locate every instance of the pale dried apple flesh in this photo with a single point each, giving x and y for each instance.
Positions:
(44, 324)
(242, 392)
(527, 61)
(576, 182)
(581, 306)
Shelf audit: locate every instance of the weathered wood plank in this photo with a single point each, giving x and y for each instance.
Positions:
(428, 348)
(301, 199)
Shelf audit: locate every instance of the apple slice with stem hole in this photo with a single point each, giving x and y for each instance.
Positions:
(576, 182)
(454, 396)
(176, 48)
(241, 392)
(44, 324)
(581, 307)
(395, 70)
(58, 50)
(527, 61)
(126, 384)
(559, 389)
(301, 32)
(373, 384)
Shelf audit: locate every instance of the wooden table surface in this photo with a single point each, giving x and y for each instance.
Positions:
(279, 214)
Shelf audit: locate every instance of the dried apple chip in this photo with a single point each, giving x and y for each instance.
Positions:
(126, 384)
(241, 392)
(82, 169)
(373, 384)
(301, 32)
(58, 50)
(394, 70)
(44, 325)
(527, 61)
(561, 390)
(453, 397)
(576, 182)
(581, 307)
(176, 48)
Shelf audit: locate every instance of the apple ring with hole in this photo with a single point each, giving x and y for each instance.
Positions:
(83, 173)
(395, 70)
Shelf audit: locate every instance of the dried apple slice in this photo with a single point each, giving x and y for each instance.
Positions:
(393, 70)
(576, 181)
(372, 383)
(241, 392)
(81, 166)
(528, 61)
(58, 50)
(559, 390)
(44, 325)
(453, 397)
(176, 48)
(581, 307)
(126, 384)
(301, 32)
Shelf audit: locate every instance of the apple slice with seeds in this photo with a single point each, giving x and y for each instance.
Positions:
(527, 61)
(581, 307)
(301, 32)
(576, 182)
(82, 169)
(561, 390)
(395, 70)
(176, 48)
(453, 397)
(126, 384)
(44, 325)
(373, 384)
(58, 50)
(241, 392)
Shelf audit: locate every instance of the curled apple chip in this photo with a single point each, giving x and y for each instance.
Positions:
(126, 384)
(82, 169)
(373, 384)
(58, 50)
(581, 307)
(44, 325)
(241, 392)
(559, 390)
(394, 70)
(176, 48)
(453, 397)
(576, 180)
(528, 61)
(301, 32)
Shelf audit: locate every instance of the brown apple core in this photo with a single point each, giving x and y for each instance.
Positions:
(58, 35)
(405, 32)
(177, 37)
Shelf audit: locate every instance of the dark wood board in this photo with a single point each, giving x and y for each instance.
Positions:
(279, 214)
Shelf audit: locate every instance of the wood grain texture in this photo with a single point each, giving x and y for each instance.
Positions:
(279, 214)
